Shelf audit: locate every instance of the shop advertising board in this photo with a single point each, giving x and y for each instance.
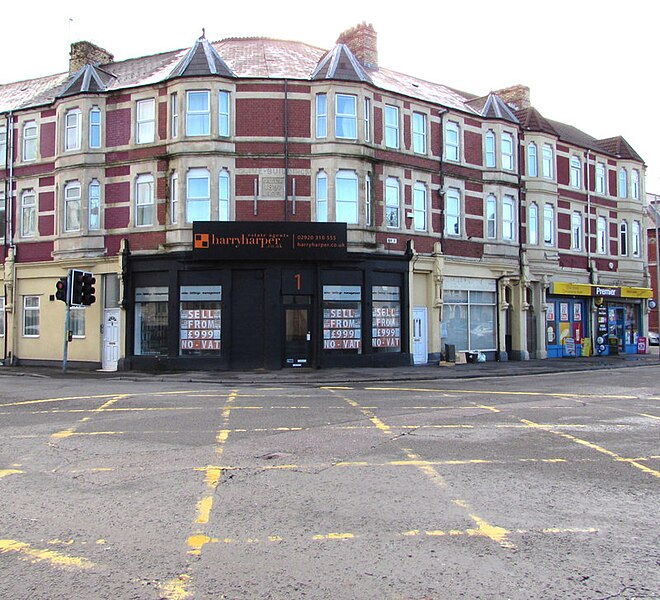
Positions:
(265, 240)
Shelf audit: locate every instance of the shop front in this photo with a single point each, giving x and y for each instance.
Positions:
(267, 296)
(585, 319)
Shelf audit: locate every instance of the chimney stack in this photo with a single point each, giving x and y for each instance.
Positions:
(362, 41)
(86, 53)
(516, 96)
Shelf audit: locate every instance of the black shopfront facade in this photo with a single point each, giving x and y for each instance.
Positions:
(260, 295)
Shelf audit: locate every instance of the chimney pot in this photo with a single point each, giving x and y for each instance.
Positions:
(362, 41)
(86, 53)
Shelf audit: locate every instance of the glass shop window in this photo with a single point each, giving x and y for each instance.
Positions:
(200, 316)
(386, 318)
(151, 321)
(342, 319)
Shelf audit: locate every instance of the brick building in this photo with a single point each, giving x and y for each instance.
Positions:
(255, 203)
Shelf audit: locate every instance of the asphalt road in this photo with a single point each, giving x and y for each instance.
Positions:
(531, 487)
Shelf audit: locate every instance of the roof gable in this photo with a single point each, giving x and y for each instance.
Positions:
(493, 107)
(202, 59)
(340, 63)
(89, 79)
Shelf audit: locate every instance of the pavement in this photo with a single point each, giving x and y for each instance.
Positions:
(344, 376)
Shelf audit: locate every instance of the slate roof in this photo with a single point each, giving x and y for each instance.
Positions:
(266, 58)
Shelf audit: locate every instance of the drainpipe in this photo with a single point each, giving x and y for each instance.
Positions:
(10, 248)
(441, 191)
(592, 313)
(286, 150)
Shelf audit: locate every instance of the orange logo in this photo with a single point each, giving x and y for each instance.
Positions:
(201, 240)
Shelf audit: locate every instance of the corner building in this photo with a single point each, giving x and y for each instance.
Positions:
(258, 203)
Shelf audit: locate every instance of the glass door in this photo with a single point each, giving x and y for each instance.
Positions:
(297, 337)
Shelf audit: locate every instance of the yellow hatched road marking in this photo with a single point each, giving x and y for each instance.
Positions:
(34, 555)
(593, 446)
(501, 393)
(69, 432)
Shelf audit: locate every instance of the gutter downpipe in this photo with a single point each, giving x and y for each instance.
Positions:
(286, 150)
(592, 314)
(8, 233)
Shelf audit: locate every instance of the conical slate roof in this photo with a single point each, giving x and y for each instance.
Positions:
(340, 63)
(89, 79)
(493, 107)
(202, 59)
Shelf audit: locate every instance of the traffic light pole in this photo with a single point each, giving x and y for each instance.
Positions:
(67, 324)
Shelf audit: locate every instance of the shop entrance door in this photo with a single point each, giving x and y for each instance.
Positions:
(297, 337)
(248, 320)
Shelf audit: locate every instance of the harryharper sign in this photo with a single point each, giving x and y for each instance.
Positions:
(268, 240)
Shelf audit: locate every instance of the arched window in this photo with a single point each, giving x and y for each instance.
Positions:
(419, 206)
(144, 200)
(623, 183)
(198, 195)
(72, 206)
(223, 196)
(94, 205)
(321, 197)
(532, 160)
(490, 149)
(392, 202)
(346, 197)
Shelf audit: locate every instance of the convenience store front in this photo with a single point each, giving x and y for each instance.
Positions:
(260, 295)
(586, 319)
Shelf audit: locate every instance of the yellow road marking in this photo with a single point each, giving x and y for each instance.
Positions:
(69, 432)
(593, 446)
(650, 416)
(175, 589)
(204, 507)
(500, 393)
(495, 533)
(34, 555)
(7, 472)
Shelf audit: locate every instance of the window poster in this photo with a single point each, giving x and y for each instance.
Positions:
(577, 312)
(550, 313)
(386, 318)
(342, 318)
(200, 320)
(563, 311)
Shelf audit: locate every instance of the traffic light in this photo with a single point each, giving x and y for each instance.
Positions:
(76, 287)
(88, 289)
(62, 287)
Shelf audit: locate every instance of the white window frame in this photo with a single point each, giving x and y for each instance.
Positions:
(601, 235)
(322, 115)
(94, 205)
(72, 206)
(368, 201)
(576, 172)
(636, 239)
(174, 115)
(420, 206)
(346, 207)
(224, 195)
(601, 178)
(95, 127)
(576, 231)
(174, 198)
(367, 119)
(419, 132)
(321, 197)
(224, 113)
(31, 306)
(548, 225)
(533, 224)
(453, 212)
(392, 203)
(391, 126)
(77, 322)
(548, 161)
(3, 215)
(532, 160)
(198, 117)
(72, 129)
(491, 217)
(623, 238)
(490, 149)
(144, 200)
(2, 317)
(452, 141)
(508, 159)
(145, 120)
(508, 218)
(346, 122)
(30, 141)
(623, 182)
(3, 145)
(28, 213)
(634, 184)
(198, 206)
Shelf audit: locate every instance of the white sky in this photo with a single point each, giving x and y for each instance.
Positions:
(589, 63)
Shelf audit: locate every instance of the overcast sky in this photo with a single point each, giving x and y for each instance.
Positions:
(590, 63)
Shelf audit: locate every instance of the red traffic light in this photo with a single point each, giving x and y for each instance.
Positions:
(61, 288)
